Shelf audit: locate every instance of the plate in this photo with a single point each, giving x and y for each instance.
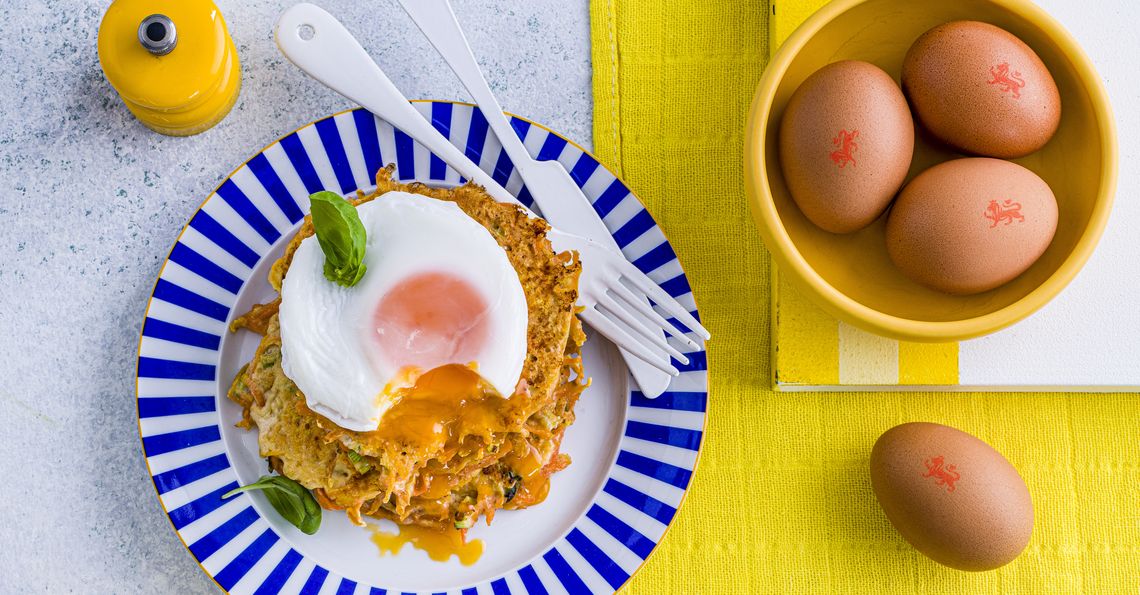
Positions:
(632, 457)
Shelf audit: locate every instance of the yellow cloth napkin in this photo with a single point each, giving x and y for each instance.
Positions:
(781, 500)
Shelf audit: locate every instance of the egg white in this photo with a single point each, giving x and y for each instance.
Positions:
(327, 330)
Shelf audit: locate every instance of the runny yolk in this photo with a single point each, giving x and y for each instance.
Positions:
(444, 404)
(431, 319)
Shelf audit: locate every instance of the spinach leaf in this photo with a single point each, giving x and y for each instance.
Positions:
(341, 235)
(290, 499)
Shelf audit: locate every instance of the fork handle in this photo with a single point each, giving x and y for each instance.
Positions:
(334, 57)
(437, 21)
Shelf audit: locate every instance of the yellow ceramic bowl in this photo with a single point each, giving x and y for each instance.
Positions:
(851, 276)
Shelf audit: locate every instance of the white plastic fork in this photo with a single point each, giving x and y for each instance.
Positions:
(320, 45)
(561, 200)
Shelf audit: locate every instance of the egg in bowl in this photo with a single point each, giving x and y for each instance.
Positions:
(469, 414)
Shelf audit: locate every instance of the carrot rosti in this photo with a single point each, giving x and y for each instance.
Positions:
(495, 453)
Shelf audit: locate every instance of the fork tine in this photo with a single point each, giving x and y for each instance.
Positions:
(629, 343)
(650, 334)
(639, 305)
(641, 281)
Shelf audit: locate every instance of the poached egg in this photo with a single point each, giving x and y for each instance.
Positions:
(438, 290)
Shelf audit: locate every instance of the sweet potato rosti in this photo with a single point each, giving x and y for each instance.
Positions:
(451, 451)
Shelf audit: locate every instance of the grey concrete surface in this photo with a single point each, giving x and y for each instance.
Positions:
(90, 203)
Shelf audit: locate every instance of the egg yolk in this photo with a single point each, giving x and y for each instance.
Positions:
(442, 406)
(431, 319)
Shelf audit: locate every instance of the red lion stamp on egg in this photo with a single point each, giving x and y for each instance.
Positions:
(943, 476)
(1007, 81)
(845, 153)
(1007, 211)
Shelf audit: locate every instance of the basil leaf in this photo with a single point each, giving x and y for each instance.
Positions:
(290, 499)
(341, 235)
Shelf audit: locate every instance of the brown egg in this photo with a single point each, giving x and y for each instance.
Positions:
(969, 225)
(846, 140)
(979, 89)
(952, 496)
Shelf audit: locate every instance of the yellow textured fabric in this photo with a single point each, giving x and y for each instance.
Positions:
(781, 500)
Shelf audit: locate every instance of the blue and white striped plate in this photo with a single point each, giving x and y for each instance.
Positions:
(633, 457)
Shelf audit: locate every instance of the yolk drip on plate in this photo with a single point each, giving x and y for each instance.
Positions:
(440, 545)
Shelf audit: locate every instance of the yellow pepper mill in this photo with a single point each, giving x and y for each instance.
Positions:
(172, 62)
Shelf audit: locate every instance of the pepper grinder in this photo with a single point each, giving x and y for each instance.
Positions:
(172, 62)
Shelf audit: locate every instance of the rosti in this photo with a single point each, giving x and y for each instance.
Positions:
(496, 453)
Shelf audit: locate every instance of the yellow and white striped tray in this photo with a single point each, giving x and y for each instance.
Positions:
(812, 350)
